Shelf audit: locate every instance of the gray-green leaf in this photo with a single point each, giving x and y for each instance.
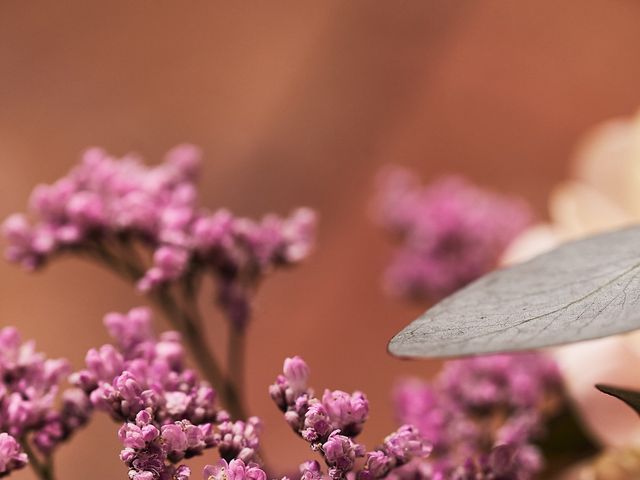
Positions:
(582, 290)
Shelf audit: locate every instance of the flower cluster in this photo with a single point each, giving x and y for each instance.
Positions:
(400, 448)
(316, 418)
(239, 439)
(29, 387)
(168, 413)
(151, 452)
(107, 208)
(331, 423)
(481, 404)
(233, 470)
(451, 232)
(142, 372)
(238, 251)
(103, 196)
(11, 455)
(500, 464)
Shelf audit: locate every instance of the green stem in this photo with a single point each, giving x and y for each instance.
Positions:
(184, 319)
(43, 469)
(236, 359)
(187, 325)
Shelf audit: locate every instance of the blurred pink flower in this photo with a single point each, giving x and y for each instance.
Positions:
(604, 194)
(449, 232)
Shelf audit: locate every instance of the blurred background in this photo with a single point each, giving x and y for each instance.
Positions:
(296, 103)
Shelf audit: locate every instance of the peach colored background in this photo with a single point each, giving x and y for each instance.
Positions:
(296, 103)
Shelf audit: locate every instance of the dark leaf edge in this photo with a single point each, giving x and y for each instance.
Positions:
(630, 397)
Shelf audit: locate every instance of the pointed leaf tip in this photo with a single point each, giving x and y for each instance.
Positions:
(630, 397)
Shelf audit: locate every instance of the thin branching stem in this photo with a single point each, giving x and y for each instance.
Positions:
(236, 359)
(185, 317)
(43, 468)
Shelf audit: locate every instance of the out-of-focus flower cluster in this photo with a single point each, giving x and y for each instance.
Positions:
(481, 404)
(482, 414)
(106, 205)
(30, 410)
(450, 232)
(168, 413)
(331, 423)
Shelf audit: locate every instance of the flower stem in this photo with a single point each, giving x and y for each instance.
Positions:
(187, 321)
(187, 325)
(42, 468)
(236, 360)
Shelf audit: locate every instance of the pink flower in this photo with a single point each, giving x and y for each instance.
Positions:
(450, 232)
(340, 453)
(107, 203)
(234, 470)
(346, 412)
(11, 455)
(296, 371)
